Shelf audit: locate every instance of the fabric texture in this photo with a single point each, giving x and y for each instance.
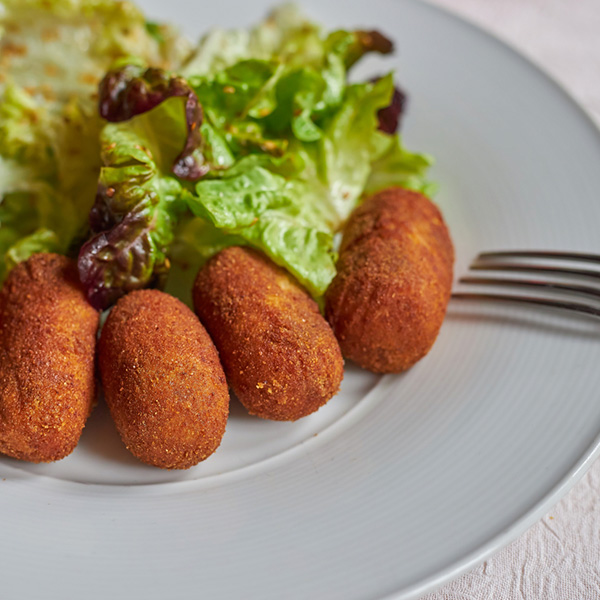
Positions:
(559, 557)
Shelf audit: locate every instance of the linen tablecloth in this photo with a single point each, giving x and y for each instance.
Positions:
(559, 557)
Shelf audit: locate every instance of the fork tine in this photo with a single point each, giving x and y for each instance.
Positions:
(534, 269)
(572, 306)
(487, 261)
(581, 256)
(578, 289)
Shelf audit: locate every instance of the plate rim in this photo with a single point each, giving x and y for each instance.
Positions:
(578, 469)
(529, 518)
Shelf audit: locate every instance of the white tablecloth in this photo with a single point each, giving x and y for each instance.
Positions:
(559, 557)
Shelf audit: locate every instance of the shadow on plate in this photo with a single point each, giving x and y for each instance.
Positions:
(100, 437)
(237, 411)
(563, 323)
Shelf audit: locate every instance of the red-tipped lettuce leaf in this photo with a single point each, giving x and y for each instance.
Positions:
(131, 90)
(136, 207)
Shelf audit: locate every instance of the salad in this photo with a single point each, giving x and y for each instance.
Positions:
(142, 155)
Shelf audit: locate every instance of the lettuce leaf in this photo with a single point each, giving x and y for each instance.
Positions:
(195, 241)
(130, 90)
(266, 209)
(396, 166)
(54, 53)
(342, 158)
(137, 204)
(62, 48)
(46, 173)
(286, 35)
(289, 144)
(255, 138)
(291, 207)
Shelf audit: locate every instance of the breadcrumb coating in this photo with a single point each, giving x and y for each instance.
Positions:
(279, 354)
(162, 379)
(394, 277)
(47, 371)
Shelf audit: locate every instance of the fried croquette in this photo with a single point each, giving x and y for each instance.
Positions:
(47, 371)
(394, 276)
(162, 379)
(279, 354)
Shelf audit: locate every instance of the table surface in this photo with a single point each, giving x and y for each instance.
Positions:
(559, 557)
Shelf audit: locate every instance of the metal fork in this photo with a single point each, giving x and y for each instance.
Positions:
(496, 261)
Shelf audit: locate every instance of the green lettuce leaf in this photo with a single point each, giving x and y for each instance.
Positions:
(45, 171)
(305, 144)
(291, 205)
(62, 48)
(195, 241)
(341, 160)
(396, 166)
(20, 235)
(54, 53)
(286, 35)
(285, 146)
(268, 210)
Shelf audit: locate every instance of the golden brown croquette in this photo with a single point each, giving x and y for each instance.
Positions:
(163, 382)
(279, 354)
(47, 346)
(388, 300)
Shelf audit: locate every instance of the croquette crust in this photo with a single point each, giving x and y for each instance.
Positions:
(162, 379)
(47, 347)
(279, 354)
(394, 277)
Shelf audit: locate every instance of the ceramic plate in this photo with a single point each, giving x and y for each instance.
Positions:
(401, 482)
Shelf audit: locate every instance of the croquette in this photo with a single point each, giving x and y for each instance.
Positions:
(394, 277)
(162, 379)
(279, 354)
(47, 371)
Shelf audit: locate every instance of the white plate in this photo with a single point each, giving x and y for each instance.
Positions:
(411, 479)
